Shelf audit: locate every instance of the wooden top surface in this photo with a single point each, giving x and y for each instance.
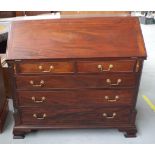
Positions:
(100, 37)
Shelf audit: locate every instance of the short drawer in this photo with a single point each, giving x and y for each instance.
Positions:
(106, 66)
(74, 116)
(46, 82)
(108, 97)
(79, 97)
(115, 80)
(45, 67)
(43, 98)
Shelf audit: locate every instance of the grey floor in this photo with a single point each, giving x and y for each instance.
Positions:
(145, 117)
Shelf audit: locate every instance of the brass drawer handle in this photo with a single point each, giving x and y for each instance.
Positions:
(100, 67)
(37, 85)
(38, 117)
(38, 101)
(114, 84)
(109, 117)
(46, 71)
(111, 100)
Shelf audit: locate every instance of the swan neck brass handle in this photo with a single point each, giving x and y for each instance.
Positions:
(39, 117)
(46, 71)
(41, 83)
(38, 101)
(109, 117)
(100, 67)
(114, 84)
(112, 100)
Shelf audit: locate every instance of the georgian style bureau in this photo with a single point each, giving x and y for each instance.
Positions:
(75, 73)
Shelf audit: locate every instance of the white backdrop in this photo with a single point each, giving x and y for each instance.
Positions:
(77, 5)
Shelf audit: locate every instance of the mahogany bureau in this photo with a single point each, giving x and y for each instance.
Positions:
(75, 73)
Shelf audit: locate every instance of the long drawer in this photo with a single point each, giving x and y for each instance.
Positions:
(77, 97)
(80, 81)
(74, 116)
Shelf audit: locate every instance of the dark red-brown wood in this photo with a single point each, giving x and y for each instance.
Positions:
(76, 38)
(74, 116)
(57, 67)
(76, 97)
(76, 81)
(81, 90)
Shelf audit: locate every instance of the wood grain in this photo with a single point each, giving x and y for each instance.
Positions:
(118, 66)
(76, 94)
(58, 67)
(76, 38)
(81, 97)
(69, 116)
(76, 81)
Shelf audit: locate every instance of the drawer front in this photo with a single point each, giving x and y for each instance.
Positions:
(106, 66)
(42, 98)
(45, 67)
(79, 98)
(74, 116)
(46, 82)
(80, 81)
(108, 97)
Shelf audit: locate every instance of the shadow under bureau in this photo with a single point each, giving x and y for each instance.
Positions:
(75, 73)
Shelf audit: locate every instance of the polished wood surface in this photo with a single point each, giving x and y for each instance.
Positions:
(76, 97)
(77, 116)
(7, 82)
(45, 67)
(117, 66)
(7, 14)
(108, 37)
(73, 82)
(75, 73)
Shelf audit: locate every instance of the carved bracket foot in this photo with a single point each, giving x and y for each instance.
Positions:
(20, 133)
(129, 132)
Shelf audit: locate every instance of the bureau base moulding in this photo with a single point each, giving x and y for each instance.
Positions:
(129, 129)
